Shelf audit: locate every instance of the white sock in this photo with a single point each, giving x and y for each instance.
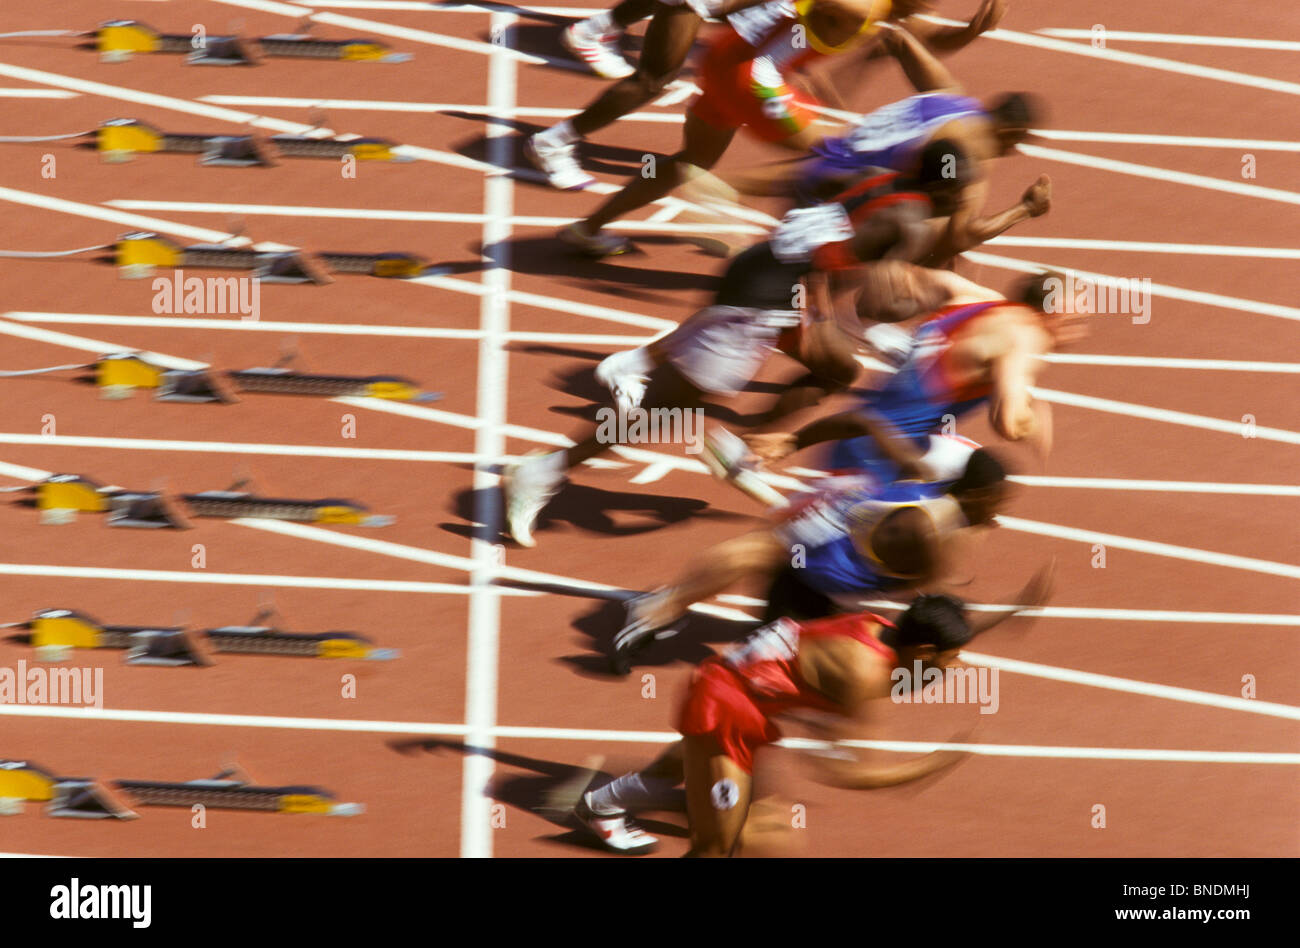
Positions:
(634, 792)
(636, 361)
(600, 24)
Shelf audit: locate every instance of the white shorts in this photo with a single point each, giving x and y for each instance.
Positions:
(721, 348)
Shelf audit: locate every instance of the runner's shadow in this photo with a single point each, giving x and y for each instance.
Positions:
(599, 625)
(546, 255)
(550, 794)
(591, 510)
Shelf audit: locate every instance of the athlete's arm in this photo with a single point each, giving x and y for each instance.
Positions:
(967, 228)
(1036, 592)
(921, 67)
(858, 682)
(1011, 409)
(949, 39)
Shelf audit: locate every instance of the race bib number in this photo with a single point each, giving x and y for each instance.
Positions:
(776, 642)
(884, 128)
(805, 229)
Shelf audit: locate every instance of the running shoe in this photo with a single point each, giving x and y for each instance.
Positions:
(600, 244)
(637, 632)
(614, 831)
(627, 387)
(559, 163)
(528, 488)
(600, 52)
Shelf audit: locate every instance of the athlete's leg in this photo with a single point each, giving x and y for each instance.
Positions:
(530, 484)
(718, 791)
(715, 570)
(829, 354)
(702, 146)
(668, 41)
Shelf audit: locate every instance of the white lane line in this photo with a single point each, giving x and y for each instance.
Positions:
(1162, 487)
(1160, 174)
(134, 221)
(339, 329)
(1157, 289)
(236, 447)
(1167, 416)
(1132, 686)
(1151, 547)
(651, 224)
(1186, 141)
(84, 344)
(201, 577)
(1181, 39)
(1118, 615)
(482, 663)
(381, 105)
(37, 94)
(18, 472)
(1133, 59)
(1163, 362)
(1130, 246)
(356, 726)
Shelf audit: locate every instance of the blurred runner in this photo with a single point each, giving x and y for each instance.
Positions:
(835, 666)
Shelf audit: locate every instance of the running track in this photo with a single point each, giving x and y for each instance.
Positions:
(1127, 693)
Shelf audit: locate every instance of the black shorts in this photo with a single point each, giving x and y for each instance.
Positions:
(756, 279)
(790, 598)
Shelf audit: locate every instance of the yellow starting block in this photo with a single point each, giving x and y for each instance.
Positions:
(23, 780)
(118, 39)
(143, 250)
(127, 370)
(64, 627)
(71, 492)
(119, 138)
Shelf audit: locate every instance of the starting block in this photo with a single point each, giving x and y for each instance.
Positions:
(279, 381)
(222, 792)
(118, 40)
(71, 492)
(230, 504)
(162, 645)
(23, 780)
(139, 253)
(61, 497)
(88, 800)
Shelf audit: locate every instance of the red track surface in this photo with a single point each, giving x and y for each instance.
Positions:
(606, 529)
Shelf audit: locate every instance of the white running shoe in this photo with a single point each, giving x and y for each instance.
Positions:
(528, 487)
(559, 163)
(600, 244)
(638, 632)
(600, 52)
(627, 387)
(614, 831)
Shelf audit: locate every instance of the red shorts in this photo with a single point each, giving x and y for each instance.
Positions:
(719, 706)
(731, 98)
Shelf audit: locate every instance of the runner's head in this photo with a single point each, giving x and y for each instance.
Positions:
(982, 488)
(932, 630)
(943, 171)
(1013, 114)
(1057, 297)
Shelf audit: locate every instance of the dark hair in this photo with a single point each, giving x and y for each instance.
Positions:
(944, 164)
(1015, 110)
(934, 620)
(1036, 288)
(983, 471)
